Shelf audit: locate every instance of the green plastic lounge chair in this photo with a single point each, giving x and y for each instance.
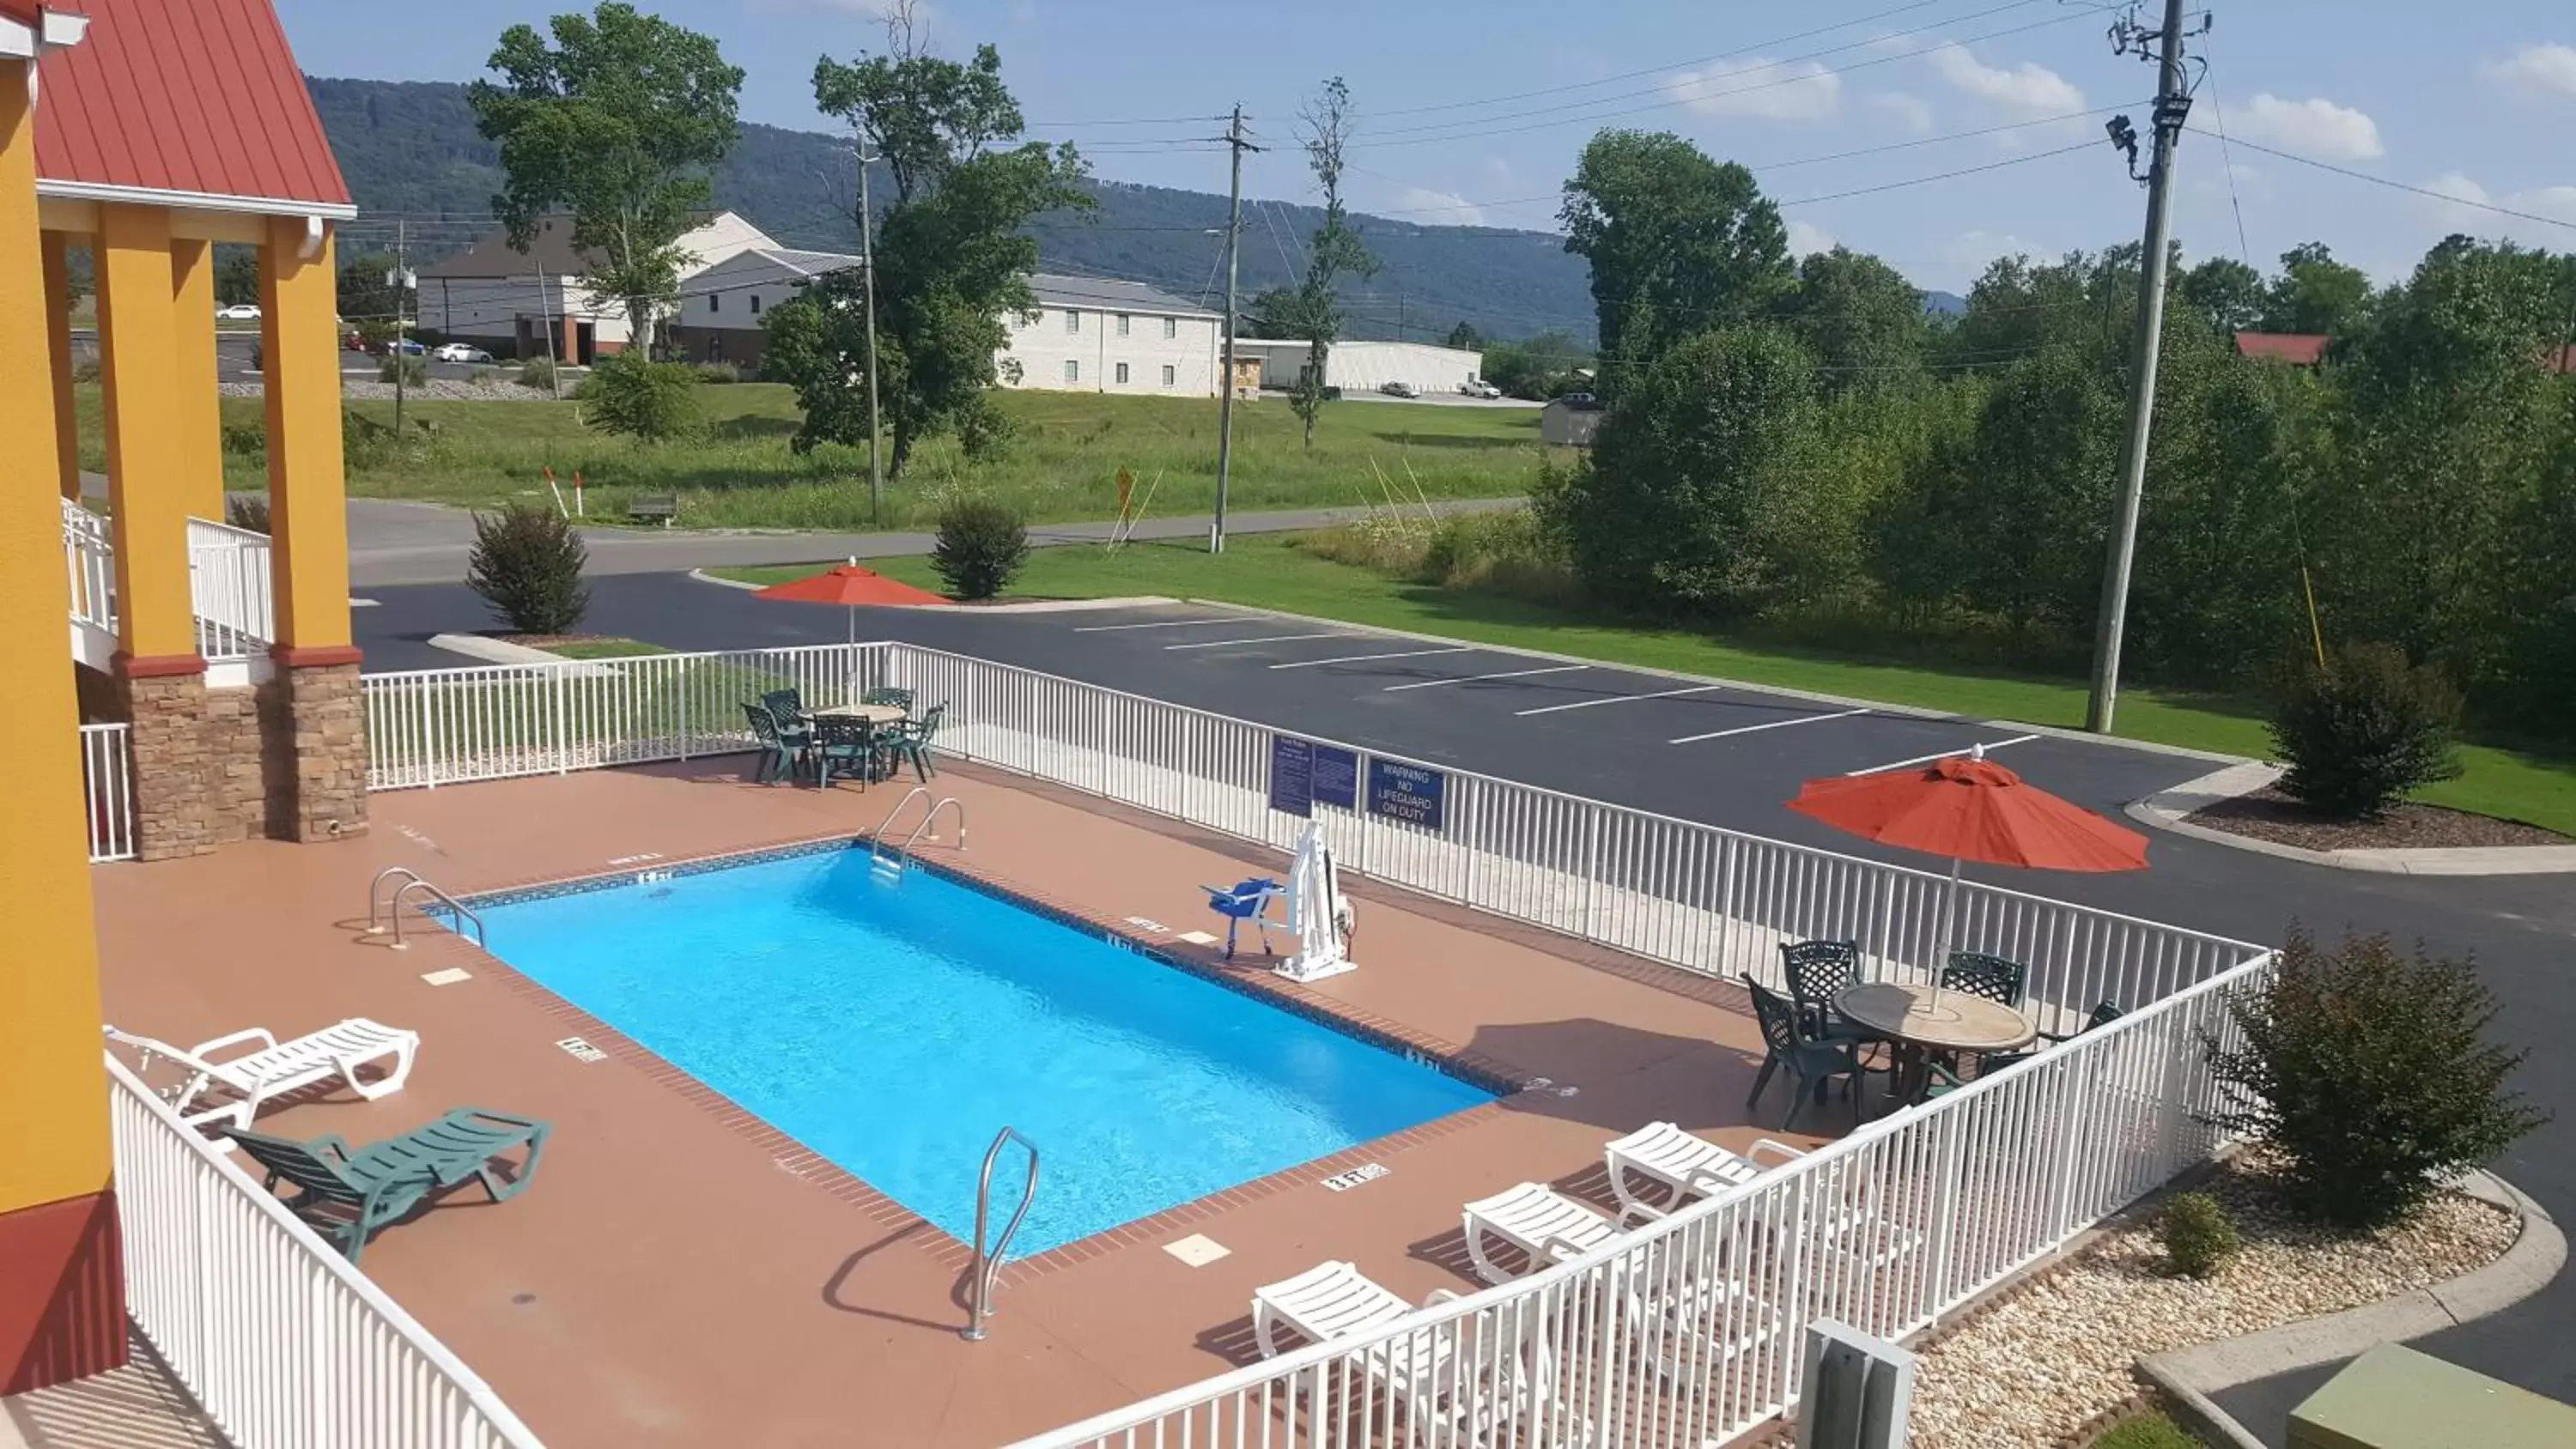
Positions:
(1811, 1061)
(377, 1184)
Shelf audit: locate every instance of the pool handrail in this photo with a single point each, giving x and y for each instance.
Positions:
(877, 836)
(986, 1268)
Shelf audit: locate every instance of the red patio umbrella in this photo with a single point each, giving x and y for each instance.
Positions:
(852, 587)
(1967, 807)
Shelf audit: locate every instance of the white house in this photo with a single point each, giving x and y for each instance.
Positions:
(722, 307)
(1363, 366)
(507, 299)
(1089, 335)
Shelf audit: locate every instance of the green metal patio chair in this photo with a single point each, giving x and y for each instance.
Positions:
(779, 759)
(2103, 1013)
(888, 694)
(1817, 972)
(1977, 974)
(911, 741)
(1812, 1061)
(844, 746)
(377, 1184)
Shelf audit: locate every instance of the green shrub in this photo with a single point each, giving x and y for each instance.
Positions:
(642, 399)
(718, 372)
(2370, 1072)
(486, 378)
(364, 442)
(86, 368)
(247, 510)
(527, 563)
(980, 546)
(537, 372)
(2198, 1235)
(410, 370)
(247, 440)
(2364, 731)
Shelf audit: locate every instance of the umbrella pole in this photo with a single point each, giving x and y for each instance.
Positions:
(1949, 924)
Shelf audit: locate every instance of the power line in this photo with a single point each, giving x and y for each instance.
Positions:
(2397, 185)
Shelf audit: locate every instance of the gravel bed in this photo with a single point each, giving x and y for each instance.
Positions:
(2270, 815)
(437, 389)
(2048, 1360)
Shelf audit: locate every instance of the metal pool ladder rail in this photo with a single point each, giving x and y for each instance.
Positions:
(392, 905)
(902, 856)
(987, 1268)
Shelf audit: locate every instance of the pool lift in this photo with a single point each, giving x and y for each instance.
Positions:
(1319, 915)
(889, 868)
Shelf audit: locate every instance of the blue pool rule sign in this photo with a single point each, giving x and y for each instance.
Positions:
(1292, 774)
(1408, 793)
(1337, 778)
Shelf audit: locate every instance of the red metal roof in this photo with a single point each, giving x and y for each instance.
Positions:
(201, 98)
(25, 12)
(2302, 349)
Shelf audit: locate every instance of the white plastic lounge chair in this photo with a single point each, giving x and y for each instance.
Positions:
(1545, 1225)
(1331, 1300)
(1687, 1166)
(276, 1068)
(1421, 1370)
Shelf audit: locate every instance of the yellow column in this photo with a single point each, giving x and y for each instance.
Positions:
(56, 1224)
(136, 334)
(58, 349)
(308, 513)
(199, 418)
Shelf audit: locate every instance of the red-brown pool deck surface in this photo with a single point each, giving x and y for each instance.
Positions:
(680, 1274)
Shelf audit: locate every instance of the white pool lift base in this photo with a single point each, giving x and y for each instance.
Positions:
(1318, 913)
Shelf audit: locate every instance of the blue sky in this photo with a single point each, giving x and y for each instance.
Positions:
(2471, 100)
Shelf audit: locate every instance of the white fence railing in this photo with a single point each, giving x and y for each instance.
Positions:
(107, 769)
(89, 561)
(229, 582)
(282, 1343)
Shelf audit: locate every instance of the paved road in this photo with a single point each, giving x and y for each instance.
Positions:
(1727, 756)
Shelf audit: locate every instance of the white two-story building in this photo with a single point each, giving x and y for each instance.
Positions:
(1089, 335)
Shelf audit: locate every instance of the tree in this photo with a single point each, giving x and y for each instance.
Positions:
(1536, 368)
(1860, 319)
(236, 276)
(364, 295)
(1316, 314)
(1678, 243)
(2227, 294)
(952, 258)
(619, 120)
(2315, 293)
(1466, 338)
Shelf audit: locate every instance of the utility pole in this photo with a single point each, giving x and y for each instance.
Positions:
(402, 357)
(868, 266)
(1225, 385)
(546, 322)
(2173, 103)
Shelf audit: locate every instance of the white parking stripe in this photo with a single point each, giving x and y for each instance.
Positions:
(1157, 624)
(1991, 746)
(1777, 724)
(1475, 678)
(1264, 639)
(1617, 699)
(1366, 658)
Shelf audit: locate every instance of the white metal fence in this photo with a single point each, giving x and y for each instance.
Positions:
(229, 582)
(107, 769)
(89, 561)
(283, 1344)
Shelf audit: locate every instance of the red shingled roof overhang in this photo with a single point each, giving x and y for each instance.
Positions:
(2305, 349)
(183, 103)
(25, 12)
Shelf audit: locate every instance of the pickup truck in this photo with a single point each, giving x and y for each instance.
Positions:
(1478, 387)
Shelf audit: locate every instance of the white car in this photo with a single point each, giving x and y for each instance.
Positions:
(1399, 389)
(238, 312)
(1478, 387)
(461, 352)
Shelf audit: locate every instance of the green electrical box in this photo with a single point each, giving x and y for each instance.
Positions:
(2395, 1398)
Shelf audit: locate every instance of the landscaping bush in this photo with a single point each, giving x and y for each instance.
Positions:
(980, 546)
(2197, 1234)
(2364, 731)
(86, 369)
(412, 371)
(527, 565)
(364, 442)
(718, 372)
(247, 440)
(2369, 1071)
(641, 399)
(247, 510)
(537, 372)
(485, 378)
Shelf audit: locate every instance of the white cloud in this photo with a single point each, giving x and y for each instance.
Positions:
(1911, 112)
(2539, 70)
(2313, 127)
(2026, 87)
(1767, 90)
(1806, 239)
(2557, 202)
(1428, 207)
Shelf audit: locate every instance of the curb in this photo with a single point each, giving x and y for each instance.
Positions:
(502, 651)
(2166, 811)
(2191, 1377)
(1028, 606)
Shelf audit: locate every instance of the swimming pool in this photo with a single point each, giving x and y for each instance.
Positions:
(893, 1029)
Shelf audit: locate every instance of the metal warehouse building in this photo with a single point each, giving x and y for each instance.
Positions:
(1365, 366)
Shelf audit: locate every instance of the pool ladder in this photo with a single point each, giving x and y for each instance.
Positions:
(391, 911)
(891, 866)
(987, 1267)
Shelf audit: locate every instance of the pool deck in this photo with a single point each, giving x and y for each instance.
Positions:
(680, 1274)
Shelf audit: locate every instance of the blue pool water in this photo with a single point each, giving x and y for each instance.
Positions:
(894, 1029)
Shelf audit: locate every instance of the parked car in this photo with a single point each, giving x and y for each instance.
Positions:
(461, 352)
(1579, 400)
(238, 312)
(408, 346)
(1399, 389)
(1478, 387)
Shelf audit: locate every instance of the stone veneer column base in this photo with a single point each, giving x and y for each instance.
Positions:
(285, 760)
(173, 766)
(314, 720)
(62, 1293)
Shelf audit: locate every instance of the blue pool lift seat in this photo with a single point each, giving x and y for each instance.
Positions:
(1248, 901)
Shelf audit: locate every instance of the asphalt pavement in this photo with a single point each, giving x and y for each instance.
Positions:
(1723, 754)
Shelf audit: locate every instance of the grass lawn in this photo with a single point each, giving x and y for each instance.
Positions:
(2147, 1431)
(603, 648)
(1264, 571)
(1061, 464)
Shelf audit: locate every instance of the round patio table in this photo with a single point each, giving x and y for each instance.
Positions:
(872, 713)
(1919, 1026)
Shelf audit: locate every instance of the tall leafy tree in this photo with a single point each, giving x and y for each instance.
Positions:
(921, 115)
(1678, 244)
(1860, 319)
(619, 120)
(2315, 293)
(2226, 293)
(236, 276)
(1314, 310)
(1465, 337)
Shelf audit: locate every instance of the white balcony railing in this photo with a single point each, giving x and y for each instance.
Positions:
(89, 558)
(107, 770)
(229, 582)
(280, 1341)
